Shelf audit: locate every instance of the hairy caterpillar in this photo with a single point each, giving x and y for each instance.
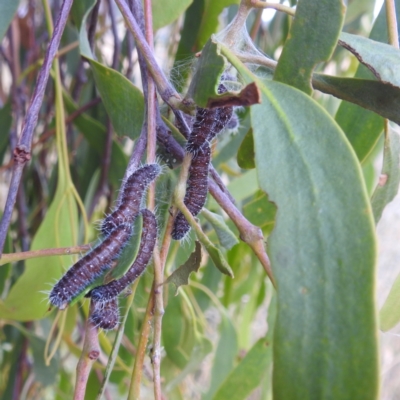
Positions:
(208, 123)
(196, 190)
(112, 289)
(90, 266)
(105, 315)
(132, 193)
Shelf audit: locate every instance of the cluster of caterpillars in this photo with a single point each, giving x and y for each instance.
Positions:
(208, 123)
(117, 230)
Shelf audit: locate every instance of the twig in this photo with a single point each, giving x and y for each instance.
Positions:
(392, 23)
(136, 378)
(166, 90)
(274, 6)
(90, 353)
(249, 233)
(22, 153)
(158, 268)
(61, 251)
(217, 179)
(93, 23)
(117, 43)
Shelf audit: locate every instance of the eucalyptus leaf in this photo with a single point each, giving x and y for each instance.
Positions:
(245, 156)
(7, 11)
(209, 20)
(27, 299)
(226, 237)
(376, 96)
(362, 127)
(322, 249)
(225, 354)
(298, 58)
(181, 275)
(168, 11)
(389, 315)
(122, 100)
(389, 179)
(382, 59)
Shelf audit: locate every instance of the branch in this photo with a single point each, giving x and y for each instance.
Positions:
(61, 251)
(22, 153)
(90, 353)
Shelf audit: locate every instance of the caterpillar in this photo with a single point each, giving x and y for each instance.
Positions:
(105, 315)
(111, 290)
(90, 266)
(196, 191)
(132, 194)
(208, 123)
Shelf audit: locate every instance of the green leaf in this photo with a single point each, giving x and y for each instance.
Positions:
(224, 357)
(58, 229)
(209, 68)
(218, 259)
(322, 249)
(245, 156)
(181, 275)
(389, 315)
(312, 39)
(376, 96)
(248, 374)
(244, 186)
(167, 12)
(260, 211)
(95, 133)
(362, 127)
(7, 10)
(122, 100)
(45, 374)
(226, 237)
(388, 184)
(177, 333)
(209, 20)
(382, 59)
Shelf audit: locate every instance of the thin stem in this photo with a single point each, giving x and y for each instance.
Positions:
(166, 90)
(22, 153)
(136, 378)
(25, 255)
(90, 353)
(274, 6)
(392, 23)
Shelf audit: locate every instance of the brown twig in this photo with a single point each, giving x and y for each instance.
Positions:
(22, 153)
(60, 251)
(90, 353)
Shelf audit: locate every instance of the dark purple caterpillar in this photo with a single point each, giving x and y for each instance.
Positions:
(90, 266)
(196, 190)
(105, 315)
(132, 194)
(112, 289)
(208, 123)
